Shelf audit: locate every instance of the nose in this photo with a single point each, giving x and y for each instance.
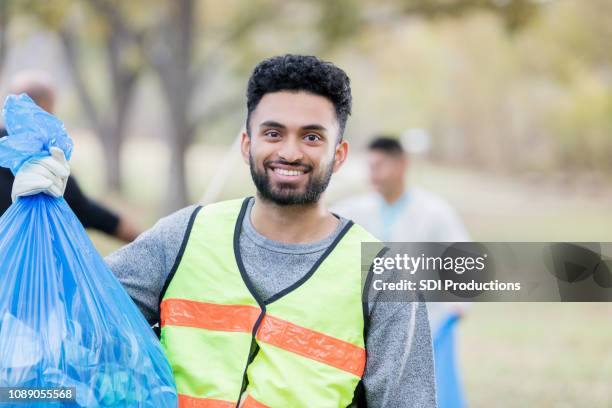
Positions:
(290, 150)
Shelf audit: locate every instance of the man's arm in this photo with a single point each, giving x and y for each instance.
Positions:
(96, 216)
(143, 266)
(399, 366)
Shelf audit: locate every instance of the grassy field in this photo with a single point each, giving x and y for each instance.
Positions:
(537, 355)
(511, 355)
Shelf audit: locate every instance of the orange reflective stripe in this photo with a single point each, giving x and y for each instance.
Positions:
(211, 316)
(185, 401)
(251, 402)
(312, 344)
(280, 333)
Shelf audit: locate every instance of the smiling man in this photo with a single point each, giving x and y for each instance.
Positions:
(259, 299)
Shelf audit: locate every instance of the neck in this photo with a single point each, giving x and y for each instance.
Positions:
(292, 224)
(393, 195)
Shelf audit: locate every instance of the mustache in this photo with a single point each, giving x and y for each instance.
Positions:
(297, 164)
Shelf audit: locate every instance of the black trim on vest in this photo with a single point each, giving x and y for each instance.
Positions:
(365, 304)
(179, 256)
(314, 268)
(254, 349)
(359, 392)
(359, 397)
(364, 294)
(245, 277)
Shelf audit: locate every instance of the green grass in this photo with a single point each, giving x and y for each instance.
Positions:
(537, 355)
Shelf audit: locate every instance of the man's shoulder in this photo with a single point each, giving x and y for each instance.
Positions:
(224, 208)
(179, 219)
(351, 204)
(363, 233)
(438, 212)
(431, 201)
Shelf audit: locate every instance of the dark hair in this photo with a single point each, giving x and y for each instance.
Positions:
(301, 73)
(386, 144)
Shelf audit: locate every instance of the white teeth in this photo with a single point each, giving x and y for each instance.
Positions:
(285, 172)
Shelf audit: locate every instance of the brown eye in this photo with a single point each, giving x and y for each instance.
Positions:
(313, 137)
(273, 134)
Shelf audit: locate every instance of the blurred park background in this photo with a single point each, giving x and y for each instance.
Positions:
(514, 97)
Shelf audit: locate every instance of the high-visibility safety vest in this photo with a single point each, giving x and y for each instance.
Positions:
(304, 347)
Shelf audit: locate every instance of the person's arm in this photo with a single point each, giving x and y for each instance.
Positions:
(6, 184)
(96, 216)
(143, 266)
(126, 231)
(399, 366)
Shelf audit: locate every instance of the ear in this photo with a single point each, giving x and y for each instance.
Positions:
(340, 154)
(245, 146)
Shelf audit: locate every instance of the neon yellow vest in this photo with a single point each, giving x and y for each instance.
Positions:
(302, 348)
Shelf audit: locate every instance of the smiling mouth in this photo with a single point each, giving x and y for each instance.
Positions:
(287, 172)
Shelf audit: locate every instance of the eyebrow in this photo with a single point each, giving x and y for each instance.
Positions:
(315, 126)
(274, 124)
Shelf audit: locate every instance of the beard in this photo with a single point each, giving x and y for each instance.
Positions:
(288, 193)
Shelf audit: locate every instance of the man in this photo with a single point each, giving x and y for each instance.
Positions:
(259, 300)
(394, 213)
(39, 87)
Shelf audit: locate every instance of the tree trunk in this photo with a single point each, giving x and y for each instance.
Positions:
(111, 145)
(178, 82)
(176, 191)
(109, 122)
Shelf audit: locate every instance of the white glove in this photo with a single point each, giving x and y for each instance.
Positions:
(43, 175)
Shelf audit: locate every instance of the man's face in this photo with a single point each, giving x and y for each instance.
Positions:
(293, 148)
(386, 171)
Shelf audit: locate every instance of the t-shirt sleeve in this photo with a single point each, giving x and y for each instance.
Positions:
(91, 214)
(143, 266)
(399, 366)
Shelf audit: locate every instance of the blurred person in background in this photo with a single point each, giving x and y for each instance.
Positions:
(39, 86)
(397, 213)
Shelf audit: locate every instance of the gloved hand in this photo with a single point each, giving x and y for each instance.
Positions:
(43, 175)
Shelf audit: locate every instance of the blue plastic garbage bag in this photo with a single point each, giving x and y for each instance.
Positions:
(65, 321)
(448, 387)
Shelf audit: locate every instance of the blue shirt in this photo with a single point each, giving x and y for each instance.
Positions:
(389, 213)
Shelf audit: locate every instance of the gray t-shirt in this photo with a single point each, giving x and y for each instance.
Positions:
(264, 258)
(399, 366)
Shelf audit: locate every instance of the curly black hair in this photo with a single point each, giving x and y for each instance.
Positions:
(301, 73)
